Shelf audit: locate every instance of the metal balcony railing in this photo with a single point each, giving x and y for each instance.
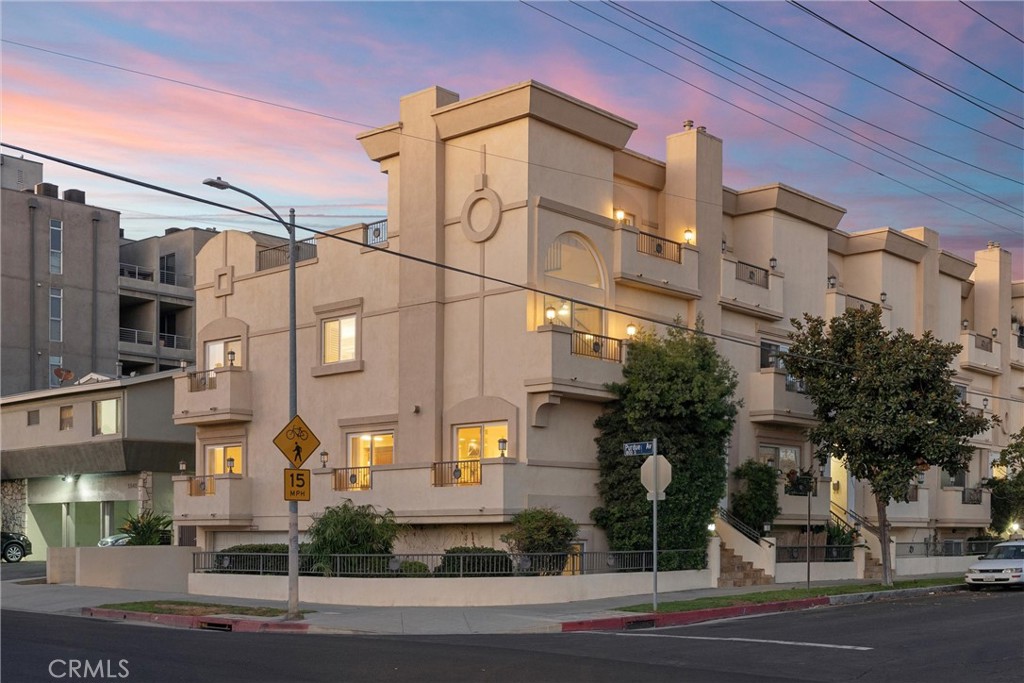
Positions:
(202, 486)
(982, 342)
(855, 302)
(134, 272)
(170, 277)
(278, 256)
(971, 496)
(653, 245)
(819, 553)
(131, 336)
(353, 479)
(202, 380)
(596, 346)
(755, 275)
(376, 232)
(175, 341)
(456, 473)
(947, 548)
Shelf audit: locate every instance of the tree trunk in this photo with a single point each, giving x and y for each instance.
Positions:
(883, 536)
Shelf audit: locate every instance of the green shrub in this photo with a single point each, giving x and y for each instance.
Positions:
(474, 561)
(757, 502)
(349, 529)
(413, 568)
(148, 528)
(542, 530)
(259, 548)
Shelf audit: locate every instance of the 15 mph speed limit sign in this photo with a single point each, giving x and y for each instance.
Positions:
(296, 484)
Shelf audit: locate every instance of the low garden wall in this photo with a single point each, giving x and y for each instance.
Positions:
(151, 567)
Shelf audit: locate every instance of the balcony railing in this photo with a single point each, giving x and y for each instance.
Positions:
(596, 346)
(170, 277)
(175, 341)
(796, 385)
(202, 486)
(912, 495)
(971, 496)
(855, 302)
(376, 232)
(202, 381)
(131, 336)
(353, 479)
(135, 272)
(755, 275)
(278, 256)
(646, 243)
(456, 473)
(948, 548)
(982, 342)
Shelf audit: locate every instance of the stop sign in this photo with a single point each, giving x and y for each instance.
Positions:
(664, 473)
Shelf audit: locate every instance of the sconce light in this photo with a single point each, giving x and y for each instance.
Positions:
(688, 235)
(767, 528)
(231, 464)
(964, 323)
(920, 478)
(836, 486)
(631, 330)
(183, 364)
(323, 458)
(994, 332)
(182, 465)
(984, 402)
(831, 281)
(231, 358)
(1015, 327)
(619, 215)
(550, 312)
(883, 296)
(773, 262)
(724, 246)
(502, 447)
(821, 470)
(711, 527)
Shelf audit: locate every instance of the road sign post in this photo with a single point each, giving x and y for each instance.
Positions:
(296, 441)
(296, 484)
(655, 475)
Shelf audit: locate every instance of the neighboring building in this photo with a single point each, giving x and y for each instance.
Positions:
(77, 459)
(457, 402)
(78, 298)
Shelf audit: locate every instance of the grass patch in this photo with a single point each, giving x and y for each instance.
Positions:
(786, 594)
(194, 609)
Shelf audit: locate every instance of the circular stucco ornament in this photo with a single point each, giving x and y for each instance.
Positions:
(481, 233)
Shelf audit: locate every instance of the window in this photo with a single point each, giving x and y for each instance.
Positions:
(217, 353)
(33, 417)
(55, 364)
(217, 458)
(67, 418)
(56, 314)
(569, 314)
(785, 458)
(480, 440)
(772, 355)
(569, 258)
(371, 448)
(105, 416)
(168, 274)
(961, 392)
(339, 339)
(958, 480)
(56, 247)
(995, 470)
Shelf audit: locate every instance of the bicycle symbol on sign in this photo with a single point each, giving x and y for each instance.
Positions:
(296, 432)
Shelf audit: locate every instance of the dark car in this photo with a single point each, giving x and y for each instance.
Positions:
(15, 546)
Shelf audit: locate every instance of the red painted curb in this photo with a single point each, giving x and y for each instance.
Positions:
(693, 617)
(186, 621)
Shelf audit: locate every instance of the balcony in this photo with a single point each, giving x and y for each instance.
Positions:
(751, 289)
(775, 397)
(596, 346)
(353, 479)
(456, 473)
(1017, 351)
(979, 353)
(962, 507)
(220, 396)
(557, 362)
(652, 262)
(219, 499)
(912, 512)
(794, 508)
(375, 234)
(274, 257)
(127, 335)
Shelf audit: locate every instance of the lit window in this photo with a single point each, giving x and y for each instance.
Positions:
(218, 353)
(67, 418)
(371, 448)
(56, 314)
(56, 246)
(479, 440)
(217, 458)
(569, 258)
(570, 314)
(339, 339)
(105, 416)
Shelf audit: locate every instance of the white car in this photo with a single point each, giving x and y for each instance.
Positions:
(116, 539)
(1003, 566)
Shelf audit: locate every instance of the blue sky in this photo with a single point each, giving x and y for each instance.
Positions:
(347, 64)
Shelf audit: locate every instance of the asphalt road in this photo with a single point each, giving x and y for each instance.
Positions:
(26, 569)
(944, 637)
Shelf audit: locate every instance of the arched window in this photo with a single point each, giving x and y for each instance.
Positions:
(571, 259)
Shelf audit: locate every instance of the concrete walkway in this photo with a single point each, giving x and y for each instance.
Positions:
(606, 614)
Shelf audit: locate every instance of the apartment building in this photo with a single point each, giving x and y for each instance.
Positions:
(457, 401)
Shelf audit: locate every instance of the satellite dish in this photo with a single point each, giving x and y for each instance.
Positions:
(63, 375)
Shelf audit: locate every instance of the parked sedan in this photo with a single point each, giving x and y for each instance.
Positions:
(116, 539)
(1002, 566)
(15, 546)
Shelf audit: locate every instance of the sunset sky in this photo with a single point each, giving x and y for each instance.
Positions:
(270, 95)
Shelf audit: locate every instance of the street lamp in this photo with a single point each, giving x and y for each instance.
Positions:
(293, 505)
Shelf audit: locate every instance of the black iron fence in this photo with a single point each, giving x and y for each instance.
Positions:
(451, 565)
(818, 553)
(278, 256)
(755, 275)
(646, 243)
(596, 346)
(376, 233)
(352, 479)
(203, 380)
(456, 473)
(953, 547)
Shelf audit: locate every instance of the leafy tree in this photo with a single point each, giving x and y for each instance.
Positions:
(679, 390)
(147, 528)
(349, 529)
(885, 403)
(757, 503)
(542, 530)
(1008, 491)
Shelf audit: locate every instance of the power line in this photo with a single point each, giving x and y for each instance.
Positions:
(867, 80)
(428, 262)
(970, 99)
(948, 49)
(1019, 40)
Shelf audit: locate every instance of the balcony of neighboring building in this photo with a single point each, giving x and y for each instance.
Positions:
(650, 261)
(914, 511)
(980, 353)
(754, 289)
(209, 397)
(1017, 350)
(153, 281)
(774, 396)
(838, 301)
(794, 507)
(968, 505)
(216, 499)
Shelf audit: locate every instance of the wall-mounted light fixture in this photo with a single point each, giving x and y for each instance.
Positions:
(920, 478)
(773, 263)
(831, 281)
(231, 464)
(502, 447)
(231, 358)
(550, 312)
(182, 466)
(323, 458)
(994, 332)
(619, 215)
(631, 330)
(883, 296)
(964, 323)
(984, 402)
(724, 245)
(688, 235)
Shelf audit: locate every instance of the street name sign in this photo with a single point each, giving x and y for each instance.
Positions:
(640, 448)
(296, 442)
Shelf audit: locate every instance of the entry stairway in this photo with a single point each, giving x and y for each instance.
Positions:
(737, 572)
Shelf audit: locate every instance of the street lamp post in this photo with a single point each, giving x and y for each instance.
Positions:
(293, 506)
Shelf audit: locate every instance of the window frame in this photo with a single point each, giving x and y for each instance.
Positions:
(56, 295)
(66, 422)
(97, 422)
(32, 417)
(226, 345)
(55, 362)
(208, 462)
(56, 226)
(371, 461)
(338, 310)
(483, 448)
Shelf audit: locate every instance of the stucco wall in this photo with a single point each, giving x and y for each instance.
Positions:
(795, 572)
(155, 568)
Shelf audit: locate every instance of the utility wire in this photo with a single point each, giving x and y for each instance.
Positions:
(765, 120)
(949, 49)
(431, 263)
(866, 80)
(970, 99)
(1018, 39)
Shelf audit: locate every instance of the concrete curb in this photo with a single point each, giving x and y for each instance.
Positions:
(207, 622)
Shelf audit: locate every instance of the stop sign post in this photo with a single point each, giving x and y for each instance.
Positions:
(655, 475)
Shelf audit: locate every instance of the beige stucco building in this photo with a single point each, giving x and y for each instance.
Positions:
(457, 401)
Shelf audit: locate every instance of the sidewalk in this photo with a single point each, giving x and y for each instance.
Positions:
(574, 616)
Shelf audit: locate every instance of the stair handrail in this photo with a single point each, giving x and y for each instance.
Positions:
(840, 522)
(742, 527)
(864, 523)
